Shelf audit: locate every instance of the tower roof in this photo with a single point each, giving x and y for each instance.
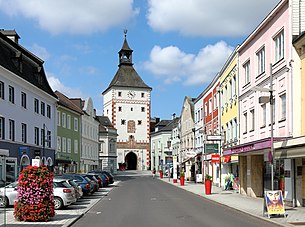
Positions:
(126, 75)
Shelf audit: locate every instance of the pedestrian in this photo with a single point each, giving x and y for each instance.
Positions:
(154, 172)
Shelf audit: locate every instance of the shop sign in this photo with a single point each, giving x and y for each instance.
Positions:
(211, 148)
(215, 158)
(226, 159)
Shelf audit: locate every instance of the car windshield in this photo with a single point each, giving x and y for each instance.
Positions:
(61, 184)
(12, 185)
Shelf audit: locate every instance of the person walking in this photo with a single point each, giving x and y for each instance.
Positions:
(154, 172)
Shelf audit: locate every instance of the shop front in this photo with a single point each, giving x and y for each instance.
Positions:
(254, 167)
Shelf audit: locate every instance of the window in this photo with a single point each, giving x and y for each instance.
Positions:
(1, 90)
(215, 102)
(75, 146)
(58, 118)
(279, 46)
(23, 99)
(283, 106)
(36, 106)
(210, 106)
(11, 94)
(261, 61)
(2, 123)
(123, 122)
(252, 120)
(11, 134)
(69, 121)
(142, 95)
(234, 86)
(75, 124)
(120, 94)
(58, 143)
(264, 115)
(142, 109)
(120, 109)
(63, 120)
(64, 144)
(247, 72)
(23, 133)
(245, 122)
(42, 108)
(235, 129)
(131, 109)
(48, 111)
(139, 122)
(69, 145)
(36, 138)
(43, 137)
(49, 139)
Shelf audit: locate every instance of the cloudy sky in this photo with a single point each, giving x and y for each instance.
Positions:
(179, 46)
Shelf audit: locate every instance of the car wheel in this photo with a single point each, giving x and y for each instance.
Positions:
(3, 201)
(58, 203)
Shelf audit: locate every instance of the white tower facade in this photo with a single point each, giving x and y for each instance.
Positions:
(127, 104)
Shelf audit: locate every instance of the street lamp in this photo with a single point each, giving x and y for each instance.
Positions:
(266, 99)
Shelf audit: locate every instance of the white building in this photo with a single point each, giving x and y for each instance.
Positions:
(127, 104)
(107, 145)
(27, 104)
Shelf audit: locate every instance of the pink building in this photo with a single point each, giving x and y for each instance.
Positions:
(269, 44)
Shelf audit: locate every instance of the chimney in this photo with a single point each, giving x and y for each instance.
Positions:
(11, 34)
(174, 116)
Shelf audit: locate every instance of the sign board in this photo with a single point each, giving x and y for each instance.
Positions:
(190, 153)
(175, 163)
(214, 137)
(211, 148)
(274, 204)
(35, 162)
(215, 158)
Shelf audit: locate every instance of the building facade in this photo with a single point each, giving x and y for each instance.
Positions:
(28, 111)
(107, 145)
(68, 135)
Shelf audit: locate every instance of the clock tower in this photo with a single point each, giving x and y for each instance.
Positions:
(127, 104)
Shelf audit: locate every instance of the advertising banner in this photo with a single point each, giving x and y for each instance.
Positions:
(274, 203)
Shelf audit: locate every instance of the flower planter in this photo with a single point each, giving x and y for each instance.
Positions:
(182, 180)
(281, 185)
(208, 187)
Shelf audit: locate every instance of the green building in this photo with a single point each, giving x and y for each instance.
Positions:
(68, 149)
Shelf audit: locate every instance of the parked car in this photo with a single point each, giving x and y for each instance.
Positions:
(99, 179)
(10, 194)
(94, 181)
(64, 193)
(77, 188)
(85, 183)
(109, 175)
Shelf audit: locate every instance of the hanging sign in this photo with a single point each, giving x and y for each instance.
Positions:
(215, 158)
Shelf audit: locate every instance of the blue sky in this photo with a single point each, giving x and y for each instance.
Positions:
(179, 46)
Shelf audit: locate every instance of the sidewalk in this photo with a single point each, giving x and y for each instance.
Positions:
(246, 204)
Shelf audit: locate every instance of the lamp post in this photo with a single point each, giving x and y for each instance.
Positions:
(266, 99)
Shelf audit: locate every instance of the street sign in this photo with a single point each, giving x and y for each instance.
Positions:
(214, 137)
(264, 99)
(211, 148)
(215, 158)
(190, 153)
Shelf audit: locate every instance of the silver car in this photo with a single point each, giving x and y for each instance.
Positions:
(64, 193)
(8, 194)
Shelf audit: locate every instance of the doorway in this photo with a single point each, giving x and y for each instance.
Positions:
(131, 161)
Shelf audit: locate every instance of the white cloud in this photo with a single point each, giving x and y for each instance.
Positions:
(40, 51)
(173, 65)
(72, 16)
(56, 84)
(206, 17)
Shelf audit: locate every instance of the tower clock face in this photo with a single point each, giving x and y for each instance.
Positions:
(131, 94)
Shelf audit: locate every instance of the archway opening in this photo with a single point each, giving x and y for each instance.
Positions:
(131, 161)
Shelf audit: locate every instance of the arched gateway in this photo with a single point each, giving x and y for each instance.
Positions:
(131, 161)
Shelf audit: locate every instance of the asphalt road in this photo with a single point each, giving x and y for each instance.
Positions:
(140, 200)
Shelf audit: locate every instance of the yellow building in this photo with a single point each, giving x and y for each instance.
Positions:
(229, 115)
